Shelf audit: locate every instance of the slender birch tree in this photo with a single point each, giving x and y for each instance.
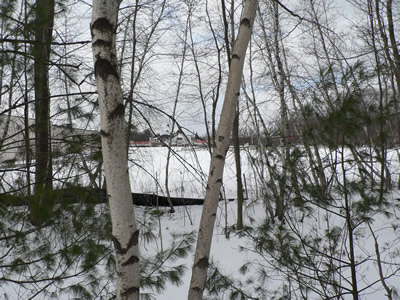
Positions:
(222, 142)
(124, 232)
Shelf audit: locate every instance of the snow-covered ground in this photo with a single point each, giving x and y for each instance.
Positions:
(187, 176)
(187, 172)
(226, 252)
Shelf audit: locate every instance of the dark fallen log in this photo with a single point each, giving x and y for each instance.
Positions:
(157, 200)
(75, 195)
(72, 195)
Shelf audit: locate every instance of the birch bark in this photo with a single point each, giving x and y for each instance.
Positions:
(222, 142)
(124, 232)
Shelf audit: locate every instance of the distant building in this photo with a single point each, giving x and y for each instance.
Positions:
(199, 142)
(139, 143)
(177, 140)
(180, 140)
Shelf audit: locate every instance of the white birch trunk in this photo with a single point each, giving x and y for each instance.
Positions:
(222, 141)
(124, 232)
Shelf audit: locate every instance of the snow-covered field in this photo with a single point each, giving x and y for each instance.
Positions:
(187, 178)
(264, 279)
(187, 172)
(231, 253)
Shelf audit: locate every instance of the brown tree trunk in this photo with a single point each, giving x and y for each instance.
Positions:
(239, 183)
(41, 208)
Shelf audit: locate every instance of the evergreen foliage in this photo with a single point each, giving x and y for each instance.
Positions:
(334, 174)
(73, 253)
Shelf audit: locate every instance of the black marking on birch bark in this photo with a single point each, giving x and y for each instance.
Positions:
(101, 24)
(235, 56)
(212, 171)
(102, 43)
(238, 94)
(213, 215)
(220, 138)
(103, 133)
(219, 156)
(245, 22)
(131, 260)
(197, 290)
(219, 180)
(118, 111)
(202, 263)
(133, 241)
(116, 243)
(207, 187)
(104, 68)
(130, 291)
